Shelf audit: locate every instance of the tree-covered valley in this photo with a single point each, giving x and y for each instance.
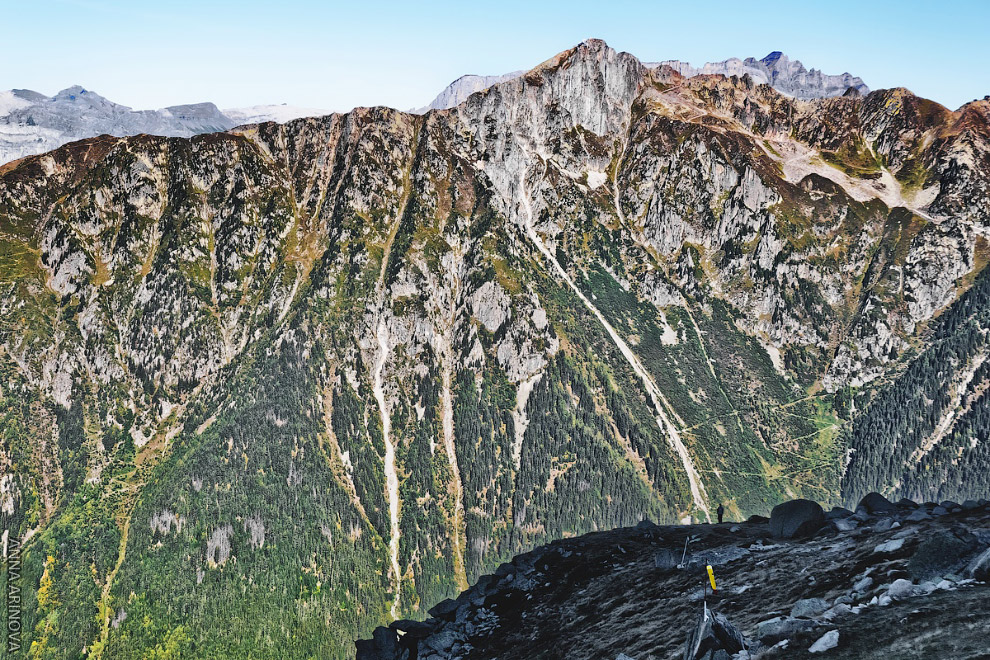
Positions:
(264, 390)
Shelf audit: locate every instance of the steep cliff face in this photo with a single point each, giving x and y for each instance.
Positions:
(270, 388)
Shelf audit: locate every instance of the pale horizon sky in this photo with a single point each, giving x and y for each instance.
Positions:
(336, 56)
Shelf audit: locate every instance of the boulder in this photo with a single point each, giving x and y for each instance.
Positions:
(970, 505)
(901, 589)
(917, 516)
(667, 559)
(759, 520)
(862, 514)
(863, 584)
(728, 637)
(796, 518)
(845, 524)
(876, 503)
(940, 552)
(809, 608)
(827, 641)
(979, 568)
(883, 525)
(773, 630)
(838, 513)
(836, 611)
(905, 503)
(889, 547)
(411, 628)
(444, 608)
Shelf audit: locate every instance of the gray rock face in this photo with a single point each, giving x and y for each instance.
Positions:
(941, 552)
(286, 254)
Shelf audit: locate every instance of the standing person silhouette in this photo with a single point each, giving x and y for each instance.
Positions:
(721, 512)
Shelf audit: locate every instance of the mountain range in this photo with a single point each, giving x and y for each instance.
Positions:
(32, 123)
(776, 69)
(263, 390)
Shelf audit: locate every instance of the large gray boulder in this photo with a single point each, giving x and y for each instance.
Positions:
(796, 518)
(808, 608)
(826, 642)
(773, 630)
(876, 503)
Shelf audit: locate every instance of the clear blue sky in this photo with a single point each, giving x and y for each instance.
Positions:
(338, 55)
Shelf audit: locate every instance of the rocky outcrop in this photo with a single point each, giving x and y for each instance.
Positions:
(603, 596)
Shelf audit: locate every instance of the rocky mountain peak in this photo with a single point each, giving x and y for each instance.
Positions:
(79, 95)
(775, 69)
(773, 57)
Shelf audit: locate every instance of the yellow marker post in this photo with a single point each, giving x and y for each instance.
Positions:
(711, 577)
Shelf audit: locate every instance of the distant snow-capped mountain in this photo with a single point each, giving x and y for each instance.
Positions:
(457, 92)
(257, 114)
(32, 123)
(776, 69)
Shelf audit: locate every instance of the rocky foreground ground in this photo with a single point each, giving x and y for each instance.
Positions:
(886, 581)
